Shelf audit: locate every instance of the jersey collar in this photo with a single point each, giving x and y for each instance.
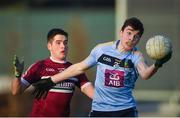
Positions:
(116, 43)
(57, 61)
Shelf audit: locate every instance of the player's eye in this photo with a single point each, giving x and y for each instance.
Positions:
(136, 38)
(128, 33)
(58, 42)
(65, 42)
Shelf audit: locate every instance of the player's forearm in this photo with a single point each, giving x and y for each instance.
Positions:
(88, 90)
(16, 86)
(148, 72)
(72, 71)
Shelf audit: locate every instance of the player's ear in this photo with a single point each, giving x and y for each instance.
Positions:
(120, 33)
(49, 46)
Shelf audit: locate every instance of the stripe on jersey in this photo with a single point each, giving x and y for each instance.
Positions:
(45, 77)
(25, 82)
(61, 90)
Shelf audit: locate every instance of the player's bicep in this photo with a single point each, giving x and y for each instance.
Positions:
(82, 66)
(141, 64)
(89, 61)
(143, 70)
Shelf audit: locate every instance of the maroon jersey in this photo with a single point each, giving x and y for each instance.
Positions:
(57, 102)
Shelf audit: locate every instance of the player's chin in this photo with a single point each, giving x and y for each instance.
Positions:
(128, 48)
(62, 56)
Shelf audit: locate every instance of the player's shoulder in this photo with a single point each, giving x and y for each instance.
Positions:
(43, 61)
(39, 63)
(136, 52)
(35, 66)
(106, 44)
(69, 63)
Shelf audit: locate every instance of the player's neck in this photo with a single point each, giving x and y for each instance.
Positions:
(58, 60)
(122, 49)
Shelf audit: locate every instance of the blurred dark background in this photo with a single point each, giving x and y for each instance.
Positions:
(24, 25)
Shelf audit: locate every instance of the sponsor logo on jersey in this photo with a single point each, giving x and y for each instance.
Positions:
(65, 85)
(114, 78)
(61, 69)
(115, 62)
(50, 69)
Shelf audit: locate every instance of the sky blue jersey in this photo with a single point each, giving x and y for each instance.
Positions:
(115, 78)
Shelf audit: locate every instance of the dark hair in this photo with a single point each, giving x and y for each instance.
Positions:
(135, 23)
(54, 32)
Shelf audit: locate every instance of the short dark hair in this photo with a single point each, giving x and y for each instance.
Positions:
(135, 23)
(54, 32)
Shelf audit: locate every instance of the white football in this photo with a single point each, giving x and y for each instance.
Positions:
(158, 47)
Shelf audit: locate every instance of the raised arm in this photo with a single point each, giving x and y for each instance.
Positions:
(146, 71)
(16, 86)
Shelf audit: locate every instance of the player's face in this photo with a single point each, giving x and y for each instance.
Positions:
(58, 47)
(129, 38)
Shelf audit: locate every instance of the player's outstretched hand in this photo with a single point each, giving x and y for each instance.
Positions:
(160, 62)
(42, 87)
(18, 66)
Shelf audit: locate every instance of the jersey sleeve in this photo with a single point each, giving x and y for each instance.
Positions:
(91, 60)
(31, 75)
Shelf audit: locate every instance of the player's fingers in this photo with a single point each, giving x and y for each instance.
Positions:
(35, 85)
(44, 94)
(16, 61)
(40, 94)
(22, 64)
(22, 61)
(37, 94)
(34, 92)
